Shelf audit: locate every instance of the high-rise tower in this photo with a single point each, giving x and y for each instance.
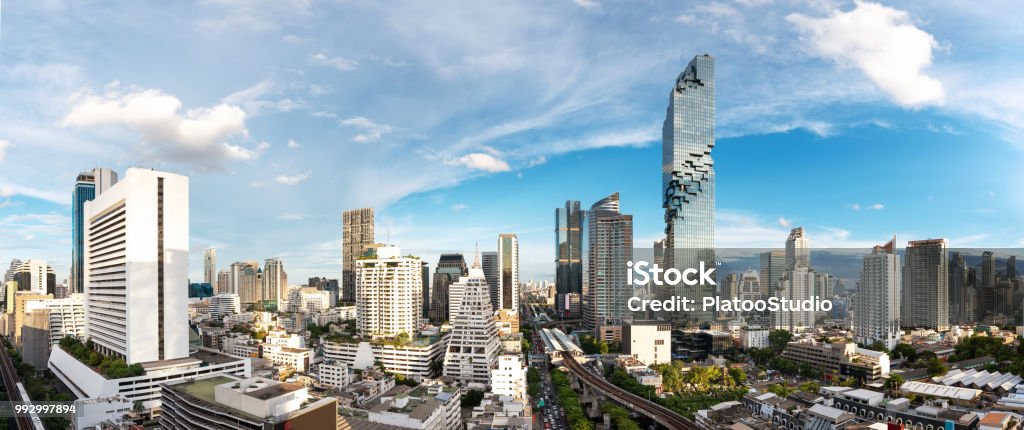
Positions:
(210, 267)
(508, 271)
(569, 223)
(877, 316)
(609, 247)
(688, 177)
(356, 235)
(925, 301)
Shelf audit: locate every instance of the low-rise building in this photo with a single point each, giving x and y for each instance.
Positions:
(226, 402)
(648, 341)
(840, 359)
(419, 359)
(500, 412)
(334, 373)
(297, 359)
(753, 338)
(509, 377)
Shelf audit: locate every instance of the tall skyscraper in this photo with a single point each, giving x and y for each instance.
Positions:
(609, 246)
(136, 267)
(925, 297)
(425, 296)
(569, 222)
(877, 316)
(88, 185)
(798, 249)
(387, 288)
(473, 346)
(1011, 267)
(688, 179)
(356, 235)
(210, 267)
(988, 269)
(491, 272)
(961, 291)
(508, 271)
(85, 190)
(449, 268)
(275, 281)
(773, 265)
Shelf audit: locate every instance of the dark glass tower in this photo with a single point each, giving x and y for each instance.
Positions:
(85, 190)
(449, 268)
(568, 252)
(688, 179)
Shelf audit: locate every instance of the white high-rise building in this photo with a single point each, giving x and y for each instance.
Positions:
(876, 315)
(66, 316)
(210, 267)
(509, 378)
(388, 287)
(223, 282)
(473, 347)
(796, 285)
(136, 267)
(508, 271)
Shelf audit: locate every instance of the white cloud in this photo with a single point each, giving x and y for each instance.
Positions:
(291, 217)
(854, 206)
(458, 207)
(340, 63)
(877, 206)
(4, 145)
(293, 179)
(197, 134)
(587, 4)
(9, 190)
(883, 43)
(372, 131)
(783, 222)
(686, 19)
(481, 161)
(292, 144)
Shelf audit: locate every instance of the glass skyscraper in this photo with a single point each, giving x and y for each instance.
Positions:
(568, 252)
(688, 179)
(609, 246)
(85, 190)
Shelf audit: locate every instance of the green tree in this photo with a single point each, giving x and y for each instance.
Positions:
(936, 368)
(894, 383)
(780, 390)
(778, 339)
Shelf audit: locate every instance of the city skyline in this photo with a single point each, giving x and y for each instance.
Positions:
(477, 167)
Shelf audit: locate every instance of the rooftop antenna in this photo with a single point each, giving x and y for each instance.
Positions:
(476, 255)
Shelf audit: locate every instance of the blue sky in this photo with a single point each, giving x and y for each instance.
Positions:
(461, 121)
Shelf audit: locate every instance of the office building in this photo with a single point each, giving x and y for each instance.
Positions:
(224, 304)
(425, 295)
(416, 360)
(688, 180)
(85, 190)
(988, 269)
(450, 267)
(649, 342)
(925, 297)
(36, 276)
(961, 292)
(609, 246)
(839, 359)
(224, 284)
(228, 402)
(88, 185)
(275, 280)
(210, 267)
(878, 298)
(508, 271)
(798, 249)
(246, 281)
(508, 378)
(356, 235)
(136, 257)
(569, 223)
(473, 347)
(773, 265)
(796, 285)
(749, 286)
(66, 317)
(489, 262)
(388, 288)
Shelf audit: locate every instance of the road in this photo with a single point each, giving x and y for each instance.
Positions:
(662, 415)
